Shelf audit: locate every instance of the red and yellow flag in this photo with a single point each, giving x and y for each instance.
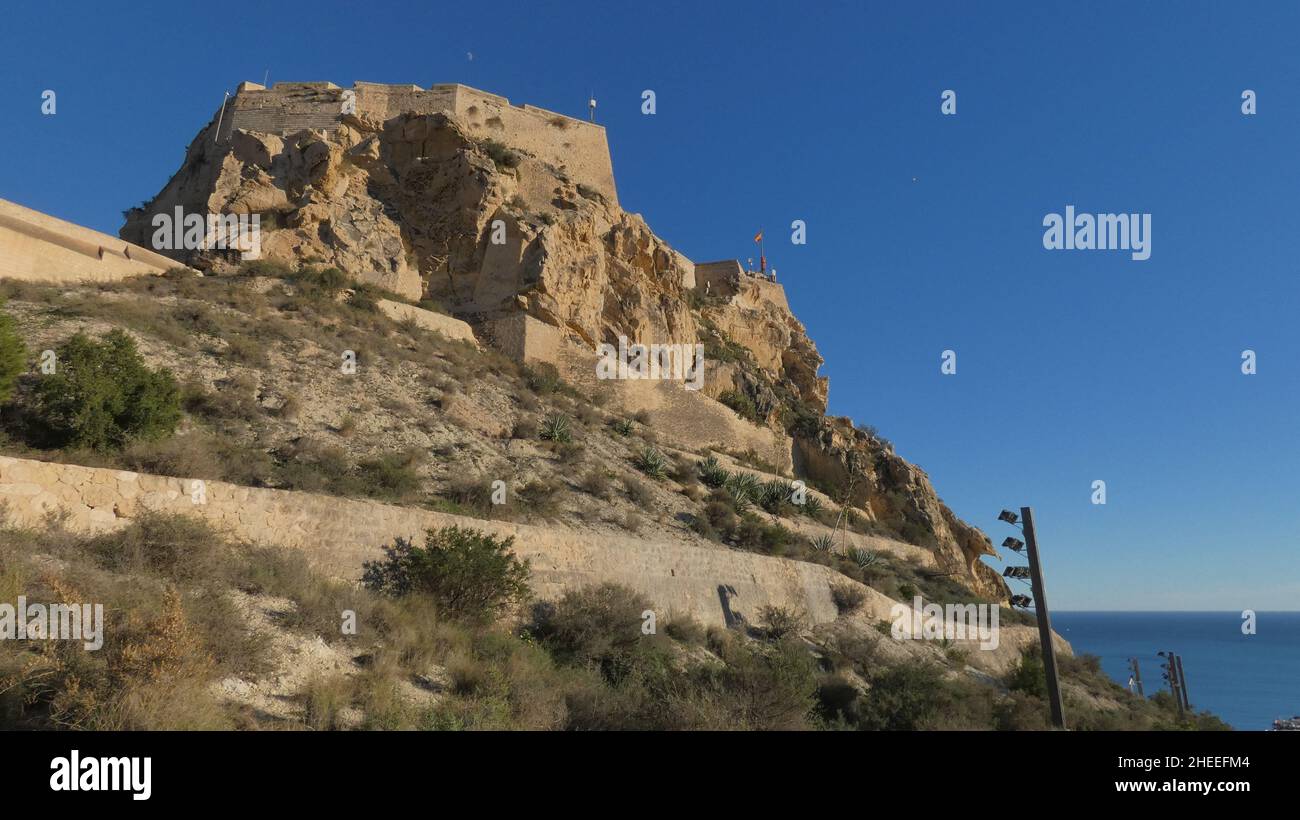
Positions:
(758, 237)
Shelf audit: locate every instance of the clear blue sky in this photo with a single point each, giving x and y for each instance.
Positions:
(924, 231)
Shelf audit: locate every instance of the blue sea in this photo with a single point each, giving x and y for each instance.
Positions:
(1247, 680)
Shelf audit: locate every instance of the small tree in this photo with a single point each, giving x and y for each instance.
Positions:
(102, 395)
(469, 575)
(13, 355)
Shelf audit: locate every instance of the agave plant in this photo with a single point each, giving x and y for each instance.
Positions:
(812, 506)
(556, 427)
(823, 543)
(863, 558)
(775, 494)
(622, 426)
(744, 489)
(652, 462)
(712, 473)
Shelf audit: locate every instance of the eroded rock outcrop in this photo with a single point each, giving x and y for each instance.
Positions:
(862, 467)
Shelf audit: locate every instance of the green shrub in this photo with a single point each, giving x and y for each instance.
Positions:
(390, 476)
(742, 404)
(1029, 675)
(103, 396)
(597, 624)
(265, 267)
(757, 536)
(904, 698)
(543, 378)
(469, 575)
(823, 543)
(13, 355)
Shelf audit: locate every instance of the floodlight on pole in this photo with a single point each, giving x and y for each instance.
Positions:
(1034, 573)
(1013, 544)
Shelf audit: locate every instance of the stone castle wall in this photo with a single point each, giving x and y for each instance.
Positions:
(714, 585)
(38, 247)
(576, 147)
(340, 534)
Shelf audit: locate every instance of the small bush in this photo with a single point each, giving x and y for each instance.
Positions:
(390, 476)
(847, 597)
(543, 379)
(524, 428)
(1029, 675)
(13, 355)
(595, 482)
(777, 622)
(469, 575)
(823, 543)
(540, 497)
(686, 630)
(501, 155)
(742, 404)
(593, 625)
(103, 396)
(174, 547)
(622, 427)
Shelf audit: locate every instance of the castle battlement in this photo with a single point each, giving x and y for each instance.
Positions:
(577, 147)
(728, 279)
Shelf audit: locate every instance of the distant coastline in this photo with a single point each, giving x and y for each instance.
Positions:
(1247, 680)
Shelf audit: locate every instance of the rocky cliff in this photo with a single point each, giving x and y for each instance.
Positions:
(427, 207)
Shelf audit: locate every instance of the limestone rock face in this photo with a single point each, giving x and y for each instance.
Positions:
(893, 491)
(420, 206)
(380, 201)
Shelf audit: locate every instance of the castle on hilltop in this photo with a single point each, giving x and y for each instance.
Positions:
(577, 147)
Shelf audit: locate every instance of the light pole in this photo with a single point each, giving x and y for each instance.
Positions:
(1035, 572)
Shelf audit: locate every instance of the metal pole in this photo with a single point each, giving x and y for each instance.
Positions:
(1044, 619)
(1171, 668)
(1137, 676)
(1182, 682)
